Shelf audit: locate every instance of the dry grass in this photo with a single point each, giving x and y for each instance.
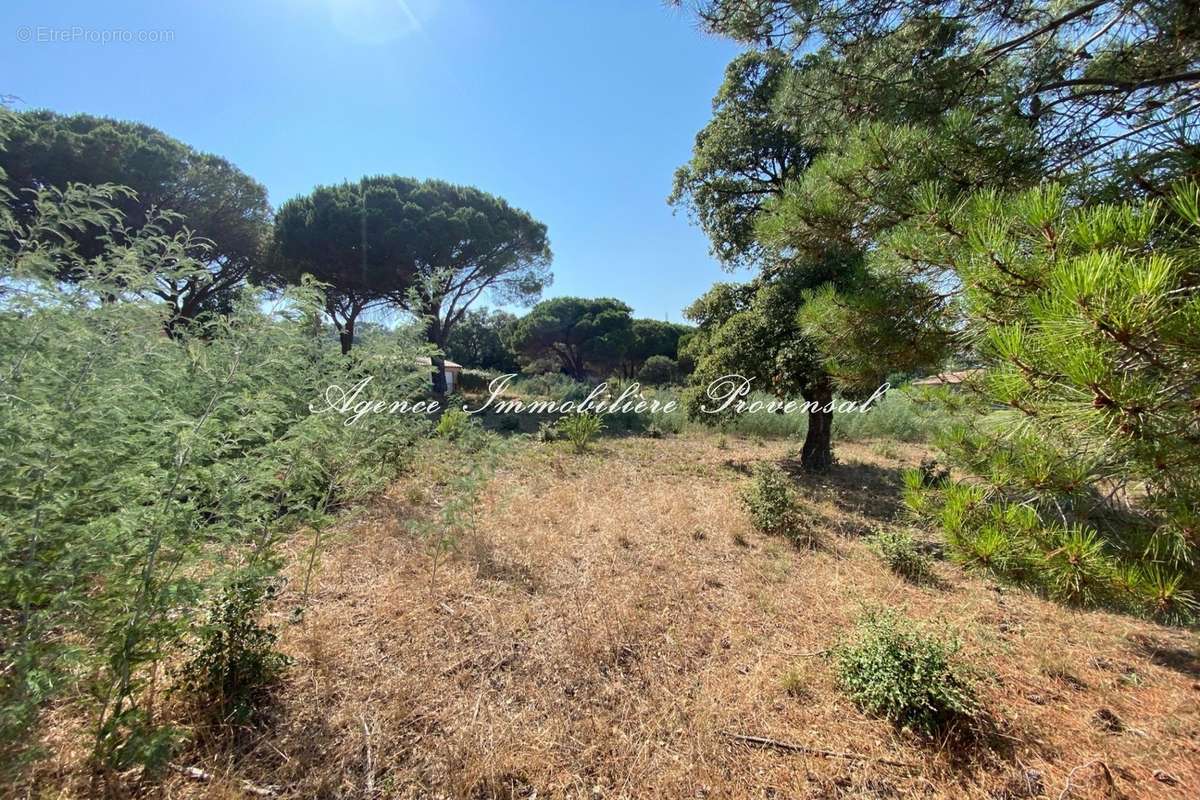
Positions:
(613, 615)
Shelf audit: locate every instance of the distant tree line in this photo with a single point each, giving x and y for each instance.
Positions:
(576, 336)
(426, 247)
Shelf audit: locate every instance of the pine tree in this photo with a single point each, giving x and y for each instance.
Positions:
(1086, 448)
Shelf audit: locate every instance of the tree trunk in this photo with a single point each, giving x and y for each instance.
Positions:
(817, 453)
(437, 335)
(439, 375)
(346, 335)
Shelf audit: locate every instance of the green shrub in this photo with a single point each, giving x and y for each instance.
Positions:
(547, 431)
(475, 380)
(580, 430)
(1073, 564)
(774, 509)
(658, 371)
(235, 662)
(893, 669)
(142, 472)
(902, 554)
(897, 416)
(453, 424)
(551, 385)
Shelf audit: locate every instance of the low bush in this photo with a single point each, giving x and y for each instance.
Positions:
(903, 555)
(235, 662)
(453, 424)
(475, 380)
(774, 509)
(547, 431)
(580, 430)
(551, 385)
(891, 668)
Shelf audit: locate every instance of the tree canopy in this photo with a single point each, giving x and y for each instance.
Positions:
(1009, 184)
(430, 247)
(466, 243)
(650, 338)
(580, 334)
(1100, 82)
(910, 105)
(225, 209)
(742, 158)
(349, 237)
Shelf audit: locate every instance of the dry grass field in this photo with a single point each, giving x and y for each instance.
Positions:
(612, 623)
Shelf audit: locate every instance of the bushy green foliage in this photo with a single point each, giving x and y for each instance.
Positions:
(475, 380)
(235, 662)
(549, 385)
(770, 500)
(453, 424)
(653, 339)
(659, 371)
(902, 554)
(580, 430)
(138, 472)
(892, 668)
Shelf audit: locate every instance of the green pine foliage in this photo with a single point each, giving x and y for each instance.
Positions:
(141, 473)
(1085, 453)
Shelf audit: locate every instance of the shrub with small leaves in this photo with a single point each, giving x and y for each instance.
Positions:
(771, 501)
(893, 669)
(235, 662)
(902, 554)
(547, 432)
(453, 424)
(141, 472)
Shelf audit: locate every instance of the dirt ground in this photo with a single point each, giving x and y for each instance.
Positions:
(612, 623)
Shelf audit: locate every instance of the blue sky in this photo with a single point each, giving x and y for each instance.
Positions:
(577, 111)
